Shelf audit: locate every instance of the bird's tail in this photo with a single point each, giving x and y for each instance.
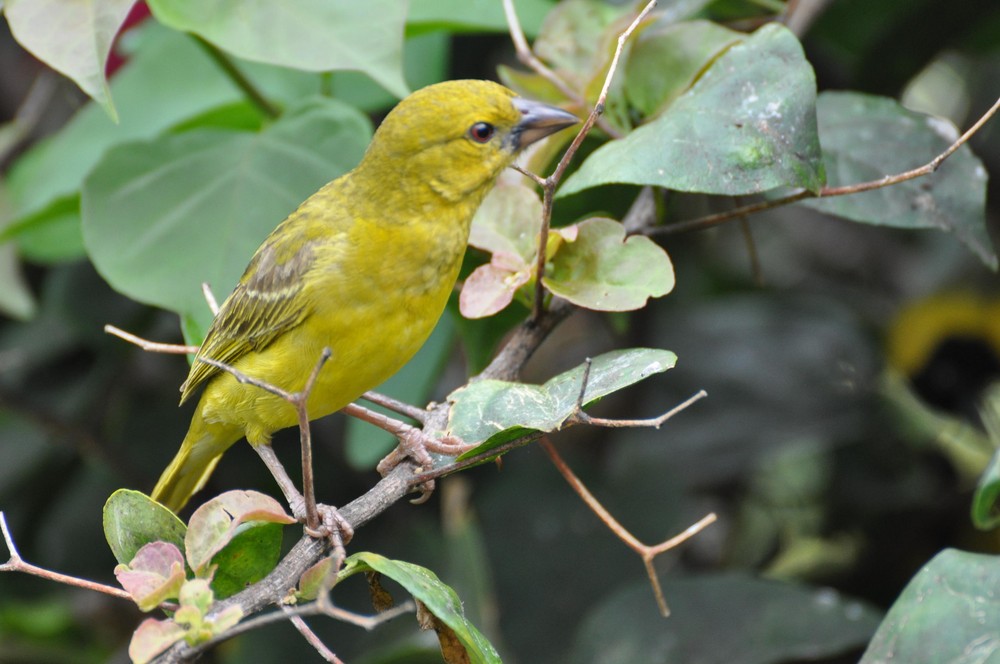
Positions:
(195, 460)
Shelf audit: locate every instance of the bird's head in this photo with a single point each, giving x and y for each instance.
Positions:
(457, 136)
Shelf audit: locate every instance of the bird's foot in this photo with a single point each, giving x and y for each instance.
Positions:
(417, 445)
(330, 525)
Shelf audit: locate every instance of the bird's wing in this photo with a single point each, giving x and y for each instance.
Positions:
(267, 303)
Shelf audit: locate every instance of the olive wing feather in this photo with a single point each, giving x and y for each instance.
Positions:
(265, 304)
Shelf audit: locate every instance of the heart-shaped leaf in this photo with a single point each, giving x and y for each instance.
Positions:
(161, 217)
(603, 270)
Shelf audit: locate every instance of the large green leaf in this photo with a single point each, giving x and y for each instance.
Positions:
(866, 138)
(439, 599)
(486, 408)
(73, 37)
(724, 619)
(748, 125)
(163, 216)
(949, 612)
(167, 80)
(313, 35)
(667, 59)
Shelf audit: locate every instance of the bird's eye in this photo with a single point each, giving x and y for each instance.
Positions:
(481, 132)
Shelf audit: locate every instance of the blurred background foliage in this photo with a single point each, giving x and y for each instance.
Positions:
(846, 366)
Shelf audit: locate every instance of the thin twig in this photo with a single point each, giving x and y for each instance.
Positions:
(550, 183)
(17, 564)
(150, 346)
(826, 192)
(312, 638)
(646, 552)
(581, 417)
(213, 304)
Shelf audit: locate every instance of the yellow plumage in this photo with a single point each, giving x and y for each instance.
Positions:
(364, 267)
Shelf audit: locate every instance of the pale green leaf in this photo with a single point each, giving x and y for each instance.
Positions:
(605, 271)
(74, 37)
(485, 408)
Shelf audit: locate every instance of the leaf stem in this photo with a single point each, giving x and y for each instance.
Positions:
(239, 78)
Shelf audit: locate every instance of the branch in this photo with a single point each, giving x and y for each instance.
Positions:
(720, 218)
(646, 552)
(17, 564)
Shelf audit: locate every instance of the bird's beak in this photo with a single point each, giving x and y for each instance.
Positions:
(538, 120)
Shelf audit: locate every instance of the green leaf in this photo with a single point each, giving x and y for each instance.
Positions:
(167, 80)
(475, 15)
(748, 125)
(986, 500)
(426, 587)
(250, 556)
(161, 217)
(866, 138)
(132, 519)
(667, 58)
(482, 410)
(216, 524)
(73, 37)
(947, 613)
(604, 270)
(51, 235)
(313, 35)
(708, 623)
(16, 299)
(574, 37)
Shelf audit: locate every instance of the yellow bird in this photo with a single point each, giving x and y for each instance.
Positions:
(363, 267)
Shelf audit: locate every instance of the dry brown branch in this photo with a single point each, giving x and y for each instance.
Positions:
(646, 552)
(17, 564)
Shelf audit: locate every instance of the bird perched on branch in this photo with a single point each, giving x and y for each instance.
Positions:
(363, 267)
